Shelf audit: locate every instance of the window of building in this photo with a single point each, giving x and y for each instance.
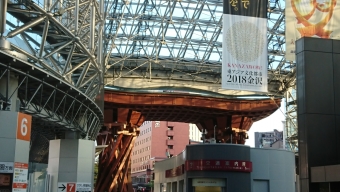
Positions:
(170, 128)
(170, 137)
(170, 146)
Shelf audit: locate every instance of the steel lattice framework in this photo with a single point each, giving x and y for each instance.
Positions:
(136, 43)
(179, 43)
(181, 40)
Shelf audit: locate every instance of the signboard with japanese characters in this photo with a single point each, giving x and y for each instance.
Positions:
(208, 182)
(6, 167)
(19, 187)
(218, 165)
(177, 171)
(20, 175)
(74, 187)
(84, 187)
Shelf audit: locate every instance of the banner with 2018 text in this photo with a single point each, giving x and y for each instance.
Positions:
(244, 60)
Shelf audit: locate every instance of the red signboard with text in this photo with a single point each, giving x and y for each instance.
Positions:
(177, 171)
(20, 173)
(218, 165)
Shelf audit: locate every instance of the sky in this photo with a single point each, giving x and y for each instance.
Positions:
(269, 123)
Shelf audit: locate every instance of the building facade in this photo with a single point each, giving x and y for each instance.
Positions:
(272, 139)
(195, 134)
(226, 167)
(158, 140)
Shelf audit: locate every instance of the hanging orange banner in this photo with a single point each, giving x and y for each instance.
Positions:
(310, 18)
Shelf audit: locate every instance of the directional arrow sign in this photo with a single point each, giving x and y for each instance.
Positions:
(62, 187)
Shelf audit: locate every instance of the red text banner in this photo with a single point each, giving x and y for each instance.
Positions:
(177, 171)
(218, 165)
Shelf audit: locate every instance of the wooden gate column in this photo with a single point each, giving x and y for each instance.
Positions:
(114, 174)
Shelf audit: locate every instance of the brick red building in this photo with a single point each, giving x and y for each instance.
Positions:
(158, 140)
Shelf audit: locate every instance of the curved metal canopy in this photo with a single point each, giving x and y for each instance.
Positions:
(135, 44)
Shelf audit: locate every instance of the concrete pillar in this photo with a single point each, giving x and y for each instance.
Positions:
(15, 132)
(71, 165)
(318, 104)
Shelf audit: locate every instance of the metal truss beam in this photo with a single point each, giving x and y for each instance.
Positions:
(51, 99)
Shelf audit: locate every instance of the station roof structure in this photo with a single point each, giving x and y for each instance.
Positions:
(179, 43)
(145, 44)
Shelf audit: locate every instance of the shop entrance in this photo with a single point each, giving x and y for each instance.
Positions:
(208, 185)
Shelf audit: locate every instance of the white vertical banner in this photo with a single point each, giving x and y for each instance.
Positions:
(244, 60)
(20, 177)
(310, 18)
